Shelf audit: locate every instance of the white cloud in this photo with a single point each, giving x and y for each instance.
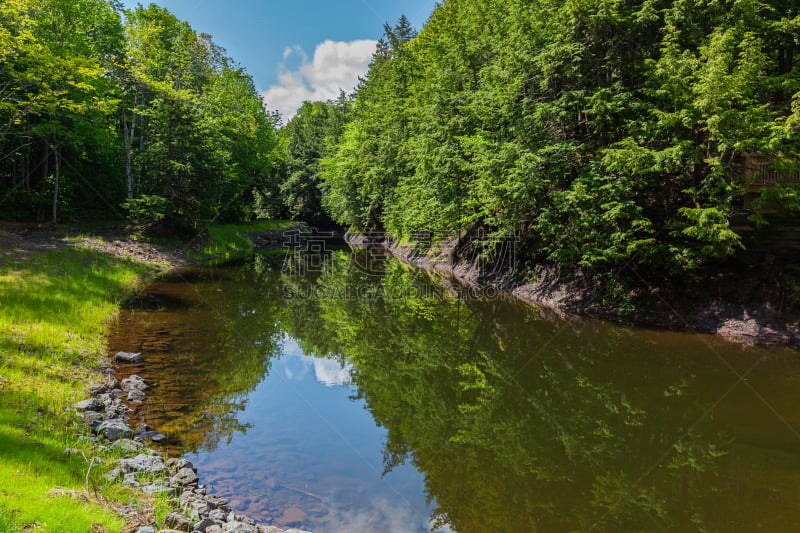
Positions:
(336, 66)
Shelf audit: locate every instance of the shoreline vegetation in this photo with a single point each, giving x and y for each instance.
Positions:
(59, 288)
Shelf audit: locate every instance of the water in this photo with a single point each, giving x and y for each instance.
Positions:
(335, 397)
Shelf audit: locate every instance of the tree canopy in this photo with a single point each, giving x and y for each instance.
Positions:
(126, 113)
(600, 132)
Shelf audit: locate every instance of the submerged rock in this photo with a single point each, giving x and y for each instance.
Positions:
(136, 396)
(153, 436)
(133, 383)
(128, 357)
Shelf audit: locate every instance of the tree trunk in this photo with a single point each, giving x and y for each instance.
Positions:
(56, 183)
(128, 134)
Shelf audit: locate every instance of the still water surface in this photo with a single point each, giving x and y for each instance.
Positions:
(339, 398)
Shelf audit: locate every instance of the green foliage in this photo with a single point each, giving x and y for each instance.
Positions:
(81, 91)
(603, 133)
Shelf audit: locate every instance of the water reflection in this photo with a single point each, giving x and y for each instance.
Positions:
(499, 416)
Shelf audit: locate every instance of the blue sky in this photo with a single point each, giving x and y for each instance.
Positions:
(297, 49)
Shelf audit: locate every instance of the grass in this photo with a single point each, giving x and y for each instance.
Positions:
(229, 241)
(54, 307)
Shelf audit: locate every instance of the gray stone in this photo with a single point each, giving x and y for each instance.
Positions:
(148, 464)
(126, 445)
(203, 525)
(93, 419)
(113, 475)
(158, 489)
(215, 529)
(195, 509)
(130, 479)
(128, 357)
(146, 529)
(268, 529)
(153, 436)
(114, 429)
(169, 531)
(184, 476)
(234, 517)
(92, 404)
(218, 502)
(136, 396)
(178, 521)
(293, 530)
(218, 514)
(133, 383)
(176, 463)
(239, 527)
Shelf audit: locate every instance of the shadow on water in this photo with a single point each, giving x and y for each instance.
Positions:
(490, 416)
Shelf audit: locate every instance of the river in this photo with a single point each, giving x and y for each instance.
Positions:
(353, 393)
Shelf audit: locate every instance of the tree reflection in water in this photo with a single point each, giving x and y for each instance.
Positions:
(519, 421)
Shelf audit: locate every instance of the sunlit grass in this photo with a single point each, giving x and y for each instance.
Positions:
(229, 241)
(54, 307)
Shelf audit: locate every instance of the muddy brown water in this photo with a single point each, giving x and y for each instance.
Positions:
(352, 393)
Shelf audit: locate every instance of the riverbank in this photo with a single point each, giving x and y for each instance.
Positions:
(59, 287)
(752, 302)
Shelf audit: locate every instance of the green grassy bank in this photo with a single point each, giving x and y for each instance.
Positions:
(54, 306)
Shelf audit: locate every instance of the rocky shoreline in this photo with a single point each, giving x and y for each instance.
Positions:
(105, 414)
(744, 308)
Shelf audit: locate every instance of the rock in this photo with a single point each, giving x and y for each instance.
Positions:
(133, 383)
(218, 502)
(159, 489)
(293, 530)
(114, 429)
(184, 476)
(92, 404)
(146, 529)
(153, 436)
(215, 529)
(218, 514)
(128, 357)
(268, 529)
(130, 479)
(234, 517)
(116, 409)
(238, 527)
(147, 464)
(175, 463)
(136, 396)
(203, 525)
(93, 419)
(178, 521)
(169, 531)
(126, 445)
(113, 475)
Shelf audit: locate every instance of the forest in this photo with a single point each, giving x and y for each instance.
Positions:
(595, 132)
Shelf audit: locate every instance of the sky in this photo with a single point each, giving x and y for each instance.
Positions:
(297, 50)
